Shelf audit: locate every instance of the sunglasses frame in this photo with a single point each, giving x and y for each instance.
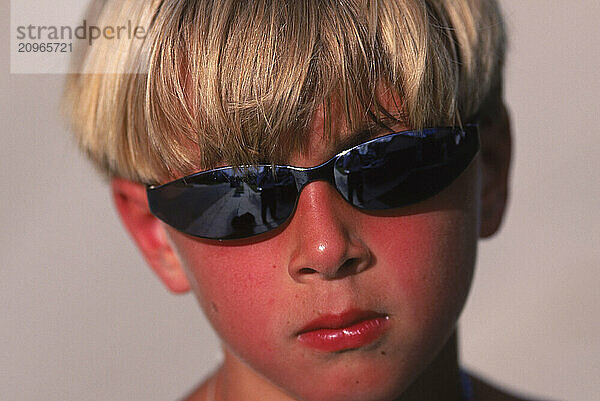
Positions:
(323, 172)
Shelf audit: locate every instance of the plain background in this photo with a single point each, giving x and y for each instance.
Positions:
(83, 318)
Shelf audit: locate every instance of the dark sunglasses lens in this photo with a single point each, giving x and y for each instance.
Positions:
(398, 170)
(227, 203)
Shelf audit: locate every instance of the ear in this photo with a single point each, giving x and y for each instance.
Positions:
(496, 149)
(148, 233)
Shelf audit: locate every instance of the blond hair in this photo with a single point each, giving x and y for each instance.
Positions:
(235, 82)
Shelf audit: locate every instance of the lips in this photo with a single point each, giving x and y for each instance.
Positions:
(352, 329)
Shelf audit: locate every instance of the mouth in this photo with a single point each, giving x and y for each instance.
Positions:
(349, 330)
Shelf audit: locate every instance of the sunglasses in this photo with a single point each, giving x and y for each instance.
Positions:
(387, 172)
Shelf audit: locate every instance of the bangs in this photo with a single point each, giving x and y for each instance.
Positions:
(242, 87)
(230, 82)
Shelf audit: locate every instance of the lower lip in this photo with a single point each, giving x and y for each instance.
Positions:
(347, 338)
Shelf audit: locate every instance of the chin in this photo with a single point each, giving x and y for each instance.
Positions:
(352, 383)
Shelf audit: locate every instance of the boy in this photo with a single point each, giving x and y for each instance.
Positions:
(317, 173)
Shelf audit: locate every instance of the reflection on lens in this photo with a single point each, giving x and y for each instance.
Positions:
(367, 175)
(228, 203)
(398, 170)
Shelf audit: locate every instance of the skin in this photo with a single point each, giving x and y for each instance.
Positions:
(414, 264)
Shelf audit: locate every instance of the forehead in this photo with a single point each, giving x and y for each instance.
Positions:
(330, 132)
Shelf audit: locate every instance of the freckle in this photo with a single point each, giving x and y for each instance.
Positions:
(214, 307)
(382, 352)
(357, 381)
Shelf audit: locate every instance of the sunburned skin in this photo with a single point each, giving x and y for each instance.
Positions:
(413, 266)
(377, 293)
(412, 271)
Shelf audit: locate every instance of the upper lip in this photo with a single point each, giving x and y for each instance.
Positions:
(341, 320)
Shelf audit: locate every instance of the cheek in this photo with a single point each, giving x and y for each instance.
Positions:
(429, 265)
(236, 288)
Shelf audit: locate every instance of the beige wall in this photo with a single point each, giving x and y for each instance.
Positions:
(81, 317)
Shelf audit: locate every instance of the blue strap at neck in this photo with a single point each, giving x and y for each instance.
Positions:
(466, 385)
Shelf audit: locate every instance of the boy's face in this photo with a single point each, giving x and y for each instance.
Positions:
(404, 274)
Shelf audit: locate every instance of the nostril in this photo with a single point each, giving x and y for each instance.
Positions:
(307, 270)
(349, 267)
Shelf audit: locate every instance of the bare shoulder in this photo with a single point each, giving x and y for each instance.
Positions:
(484, 390)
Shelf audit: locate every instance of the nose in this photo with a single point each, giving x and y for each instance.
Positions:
(324, 242)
